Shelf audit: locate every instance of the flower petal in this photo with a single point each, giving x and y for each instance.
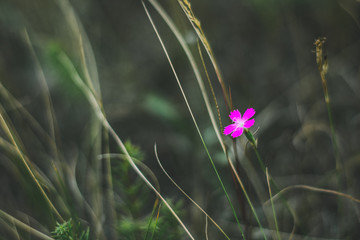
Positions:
(249, 113)
(249, 123)
(237, 132)
(229, 129)
(235, 115)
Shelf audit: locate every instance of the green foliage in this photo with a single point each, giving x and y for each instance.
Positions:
(136, 201)
(166, 226)
(133, 192)
(67, 231)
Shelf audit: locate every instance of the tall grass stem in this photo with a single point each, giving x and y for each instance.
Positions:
(194, 121)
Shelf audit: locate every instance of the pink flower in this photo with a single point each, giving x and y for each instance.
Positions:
(237, 128)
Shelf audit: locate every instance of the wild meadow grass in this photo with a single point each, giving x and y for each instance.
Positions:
(68, 174)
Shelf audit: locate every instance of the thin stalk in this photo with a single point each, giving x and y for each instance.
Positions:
(203, 39)
(316, 189)
(247, 198)
(193, 118)
(239, 193)
(210, 85)
(11, 228)
(194, 66)
(272, 205)
(10, 135)
(49, 110)
(186, 6)
(157, 218)
(186, 195)
(25, 227)
(206, 228)
(240, 197)
(156, 203)
(259, 188)
(109, 189)
(254, 212)
(323, 68)
(253, 143)
(94, 103)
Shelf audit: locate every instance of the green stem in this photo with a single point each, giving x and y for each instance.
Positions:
(157, 218)
(323, 68)
(272, 205)
(252, 141)
(249, 201)
(193, 118)
(239, 193)
(151, 217)
(223, 188)
(254, 212)
(334, 142)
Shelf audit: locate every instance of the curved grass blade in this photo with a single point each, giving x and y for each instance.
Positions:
(156, 203)
(193, 64)
(322, 63)
(102, 204)
(186, 6)
(206, 228)
(25, 227)
(272, 205)
(193, 118)
(253, 144)
(315, 189)
(199, 79)
(152, 176)
(186, 195)
(100, 115)
(157, 218)
(27, 165)
(210, 85)
(46, 98)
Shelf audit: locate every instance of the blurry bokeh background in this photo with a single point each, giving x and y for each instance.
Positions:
(266, 54)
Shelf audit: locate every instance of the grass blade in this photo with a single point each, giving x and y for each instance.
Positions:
(272, 205)
(100, 115)
(186, 195)
(25, 227)
(11, 137)
(194, 121)
(193, 64)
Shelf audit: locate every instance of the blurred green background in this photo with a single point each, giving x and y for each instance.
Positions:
(266, 54)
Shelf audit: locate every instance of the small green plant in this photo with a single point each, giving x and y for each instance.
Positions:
(67, 231)
(134, 222)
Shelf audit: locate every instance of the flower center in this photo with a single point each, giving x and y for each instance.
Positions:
(240, 123)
